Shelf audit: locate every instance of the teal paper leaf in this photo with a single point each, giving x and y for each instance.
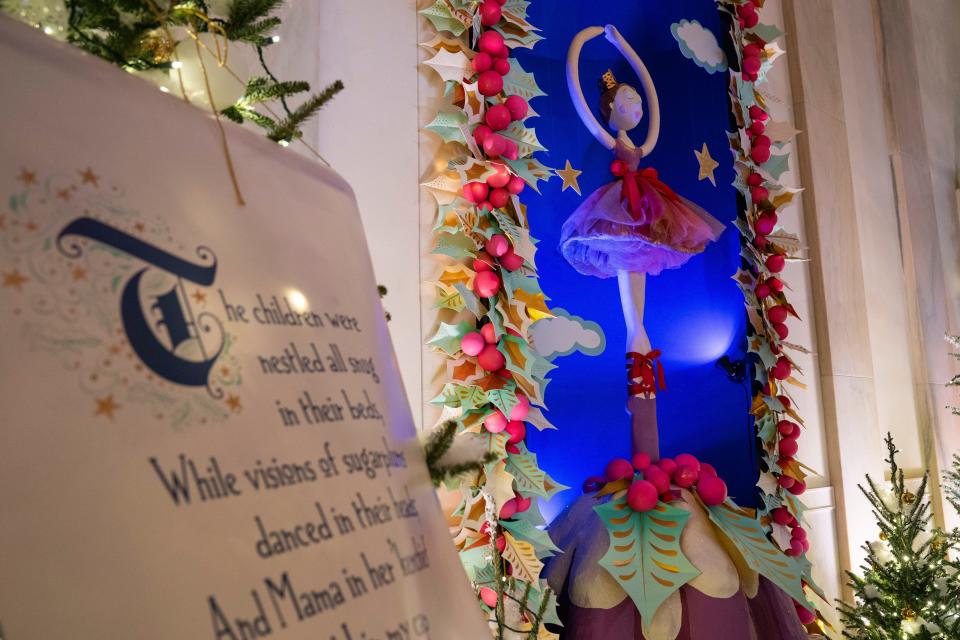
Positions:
(766, 32)
(518, 82)
(539, 538)
(467, 397)
(456, 245)
(525, 137)
(776, 165)
(439, 14)
(766, 428)
(749, 537)
(527, 474)
(470, 300)
(516, 7)
(503, 399)
(448, 336)
(532, 171)
(449, 126)
(517, 37)
(644, 555)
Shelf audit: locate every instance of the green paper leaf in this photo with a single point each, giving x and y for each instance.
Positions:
(518, 37)
(497, 444)
(749, 536)
(644, 555)
(553, 487)
(449, 126)
(503, 399)
(448, 336)
(527, 474)
(470, 300)
(449, 299)
(439, 14)
(475, 563)
(766, 428)
(518, 82)
(532, 171)
(456, 245)
(516, 7)
(467, 397)
(776, 165)
(539, 538)
(525, 137)
(766, 32)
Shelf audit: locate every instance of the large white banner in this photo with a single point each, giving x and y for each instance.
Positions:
(203, 432)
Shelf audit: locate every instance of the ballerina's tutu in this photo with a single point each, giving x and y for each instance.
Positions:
(636, 224)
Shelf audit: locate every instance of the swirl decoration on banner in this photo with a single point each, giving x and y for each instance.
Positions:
(488, 296)
(760, 159)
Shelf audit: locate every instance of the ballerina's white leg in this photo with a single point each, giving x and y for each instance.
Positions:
(632, 295)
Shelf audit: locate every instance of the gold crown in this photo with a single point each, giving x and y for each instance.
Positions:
(608, 81)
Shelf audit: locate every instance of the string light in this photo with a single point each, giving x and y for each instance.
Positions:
(275, 39)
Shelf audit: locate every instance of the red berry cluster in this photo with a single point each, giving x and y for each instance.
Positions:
(747, 15)
(495, 192)
(655, 479)
(490, 65)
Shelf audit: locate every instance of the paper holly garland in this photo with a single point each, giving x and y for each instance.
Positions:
(504, 549)
(644, 555)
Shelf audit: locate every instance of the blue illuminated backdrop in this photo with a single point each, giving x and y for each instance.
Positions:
(695, 314)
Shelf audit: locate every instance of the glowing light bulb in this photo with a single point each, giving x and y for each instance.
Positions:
(298, 301)
(283, 143)
(275, 39)
(176, 64)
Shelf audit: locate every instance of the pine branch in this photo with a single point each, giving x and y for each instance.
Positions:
(289, 128)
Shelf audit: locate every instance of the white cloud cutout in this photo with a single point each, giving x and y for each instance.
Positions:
(564, 334)
(700, 45)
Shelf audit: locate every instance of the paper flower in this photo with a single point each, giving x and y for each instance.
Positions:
(564, 334)
(700, 45)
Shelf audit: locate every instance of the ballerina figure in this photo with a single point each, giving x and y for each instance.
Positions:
(630, 228)
(635, 225)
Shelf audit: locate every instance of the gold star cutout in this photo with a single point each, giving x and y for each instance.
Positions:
(79, 273)
(199, 296)
(106, 407)
(233, 402)
(707, 164)
(31, 226)
(63, 194)
(224, 371)
(14, 280)
(569, 175)
(89, 177)
(27, 177)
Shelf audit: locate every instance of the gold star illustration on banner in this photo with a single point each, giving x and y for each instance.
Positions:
(234, 402)
(27, 177)
(707, 164)
(79, 273)
(199, 296)
(569, 175)
(87, 176)
(106, 407)
(13, 280)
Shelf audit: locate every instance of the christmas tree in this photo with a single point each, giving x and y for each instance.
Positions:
(909, 586)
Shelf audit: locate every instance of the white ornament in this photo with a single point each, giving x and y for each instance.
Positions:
(911, 626)
(871, 591)
(889, 498)
(214, 50)
(882, 551)
(932, 627)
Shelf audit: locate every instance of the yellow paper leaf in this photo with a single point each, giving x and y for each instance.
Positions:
(523, 558)
(457, 273)
(499, 483)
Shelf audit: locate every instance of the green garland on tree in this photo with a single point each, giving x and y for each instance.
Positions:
(909, 587)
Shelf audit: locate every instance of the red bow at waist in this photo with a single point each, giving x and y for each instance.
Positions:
(647, 370)
(633, 194)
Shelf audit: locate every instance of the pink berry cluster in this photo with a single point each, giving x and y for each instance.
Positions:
(495, 191)
(490, 65)
(651, 481)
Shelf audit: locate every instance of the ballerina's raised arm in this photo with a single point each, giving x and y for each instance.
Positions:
(624, 108)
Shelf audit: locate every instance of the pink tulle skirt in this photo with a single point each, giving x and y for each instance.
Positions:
(645, 231)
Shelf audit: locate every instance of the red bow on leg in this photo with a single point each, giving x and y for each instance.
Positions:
(645, 374)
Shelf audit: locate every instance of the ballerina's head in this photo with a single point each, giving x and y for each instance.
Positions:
(620, 104)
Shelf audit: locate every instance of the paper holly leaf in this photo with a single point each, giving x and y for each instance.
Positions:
(450, 66)
(532, 171)
(503, 399)
(456, 245)
(440, 41)
(781, 535)
(515, 36)
(767, 483)
(552, 487)
(448, 298)
(467, 397)
(518, 82)
(527, 473)
(537, 419)
(443, 20)
(497, 444)
(456, 273)
(645, 557)
(749, 537)
(766, 429)
(462, 369)
(776, 165)
(445, 188)
(499, 482)
(523, 558)
(779, 131)
(449, 126)
(766, 32)
(470, 300)
(524, 530)
(516, 8)
(448, 337)
(785, 197)
(525, 137)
